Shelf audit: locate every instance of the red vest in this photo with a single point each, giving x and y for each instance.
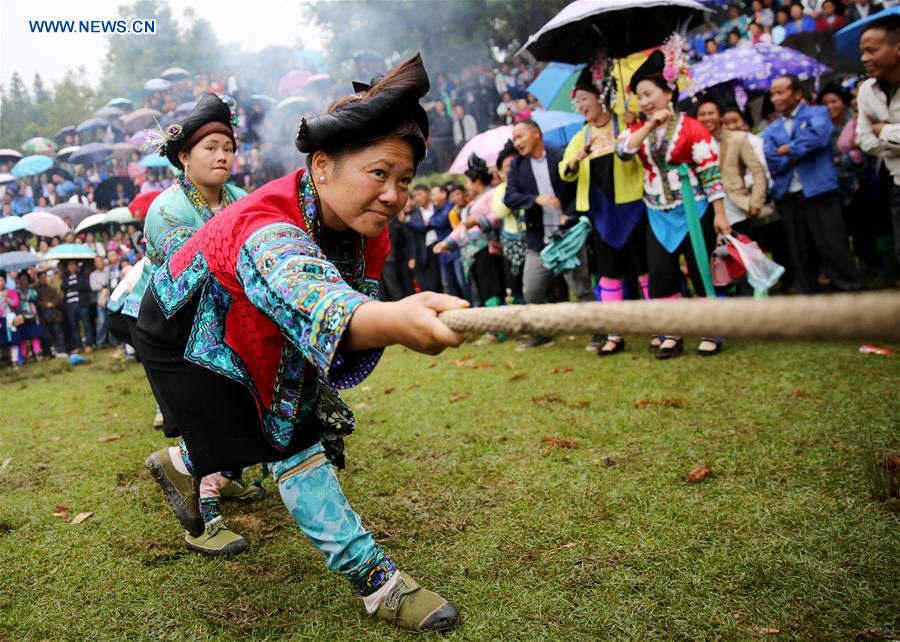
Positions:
(250, 333)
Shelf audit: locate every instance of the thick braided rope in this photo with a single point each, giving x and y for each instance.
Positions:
(873, 316)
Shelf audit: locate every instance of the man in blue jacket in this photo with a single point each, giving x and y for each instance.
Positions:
(534, 185)
(805, 188)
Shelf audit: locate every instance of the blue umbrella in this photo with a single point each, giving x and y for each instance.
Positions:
(155, 160)
(262, 98)
(91, 124)
(10, 224)
(91, 153)
(121, 103)
(558, 127)
(70, 251)
(32, 166)
(554, 82)
(847, 39)
(19, 260)
(62, 133)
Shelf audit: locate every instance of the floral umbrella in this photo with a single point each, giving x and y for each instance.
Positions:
(754, 67)
(39, 145)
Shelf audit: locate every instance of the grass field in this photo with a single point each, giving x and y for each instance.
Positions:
(544, 493)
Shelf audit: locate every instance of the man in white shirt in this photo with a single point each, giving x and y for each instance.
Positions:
(534, 185)
(878, 103)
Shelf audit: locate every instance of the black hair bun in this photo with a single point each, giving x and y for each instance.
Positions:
(478, 170)
(374, 111)
(508, 150)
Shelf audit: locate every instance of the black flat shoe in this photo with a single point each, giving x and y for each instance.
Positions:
(619, 346)
(664, 352)
(714, 351)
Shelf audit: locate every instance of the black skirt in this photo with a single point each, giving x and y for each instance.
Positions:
(487, 271)
(217, 416)
(121, 326)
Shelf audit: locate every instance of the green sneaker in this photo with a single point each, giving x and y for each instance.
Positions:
(181, 491)
(412, 607)
(242, 491)
(217, 539)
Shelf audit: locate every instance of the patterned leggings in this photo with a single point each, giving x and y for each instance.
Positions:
(318, 505)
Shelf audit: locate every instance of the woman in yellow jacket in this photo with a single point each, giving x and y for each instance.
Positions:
(610, 192)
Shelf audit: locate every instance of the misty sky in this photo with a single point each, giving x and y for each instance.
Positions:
(252, 24)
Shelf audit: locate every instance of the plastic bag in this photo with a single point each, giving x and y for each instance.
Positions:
(762, 272)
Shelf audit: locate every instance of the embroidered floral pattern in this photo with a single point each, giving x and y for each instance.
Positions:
(196, 198)
(305, 296)
(173, 292)
(206, 345)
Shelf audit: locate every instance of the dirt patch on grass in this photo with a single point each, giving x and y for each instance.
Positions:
(665, 402)
(257, 526)
(151, 552)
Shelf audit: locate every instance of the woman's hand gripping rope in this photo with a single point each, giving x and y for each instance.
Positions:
(412, 322)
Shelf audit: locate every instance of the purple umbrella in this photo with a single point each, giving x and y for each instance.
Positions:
(755, 67)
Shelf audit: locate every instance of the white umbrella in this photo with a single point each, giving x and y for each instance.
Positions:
(623, 27)
(175, 74)
(65, 152)
(91, 221)
(157, 84)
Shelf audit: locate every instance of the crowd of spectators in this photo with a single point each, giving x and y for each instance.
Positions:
(773, 21)
(59, 310)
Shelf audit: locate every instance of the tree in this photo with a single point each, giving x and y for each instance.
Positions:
(37, 87)
(132, 60)
(15, 110)
(73, 100)
(450, 35)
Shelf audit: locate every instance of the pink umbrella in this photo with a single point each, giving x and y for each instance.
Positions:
(45, 224)
(317, 82)
(10, 156)
(486, 145)
(139, 138)
(292, 81)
